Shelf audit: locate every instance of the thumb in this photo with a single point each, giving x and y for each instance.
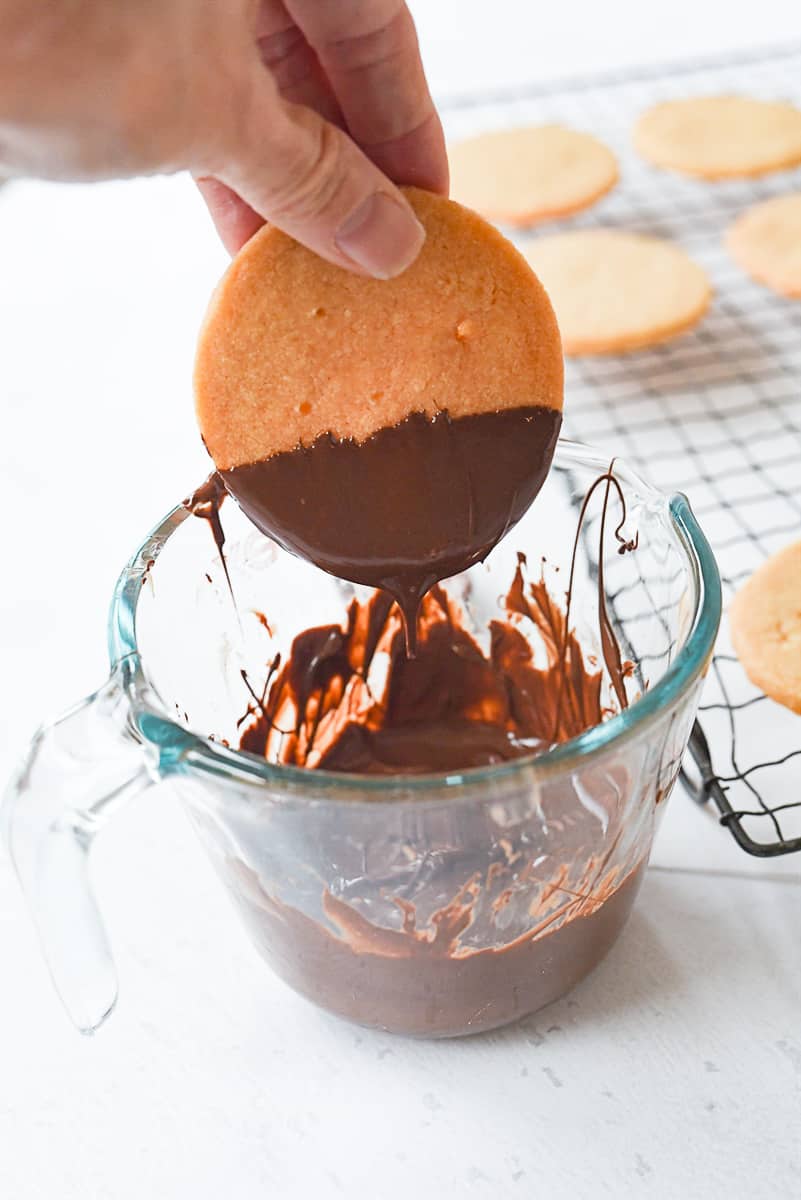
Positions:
(305, 175)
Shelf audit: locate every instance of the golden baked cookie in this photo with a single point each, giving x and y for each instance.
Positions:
(521, 176)
(616, 291)
(765, 619)
(720, 137)
(294, 347)
(766, 242)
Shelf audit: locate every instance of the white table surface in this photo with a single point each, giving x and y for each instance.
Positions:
(673, 1071)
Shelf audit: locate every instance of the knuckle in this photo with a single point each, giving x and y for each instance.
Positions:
(311, 175)
(394, 39)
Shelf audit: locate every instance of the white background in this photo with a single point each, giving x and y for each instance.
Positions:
(673, 1071)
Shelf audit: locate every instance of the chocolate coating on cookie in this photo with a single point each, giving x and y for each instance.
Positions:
(412, 504)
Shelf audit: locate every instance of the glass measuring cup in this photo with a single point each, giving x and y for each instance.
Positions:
(430, 905)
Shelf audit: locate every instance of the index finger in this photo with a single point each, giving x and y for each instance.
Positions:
(370, 54)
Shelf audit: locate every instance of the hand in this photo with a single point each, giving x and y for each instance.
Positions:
(300, 112)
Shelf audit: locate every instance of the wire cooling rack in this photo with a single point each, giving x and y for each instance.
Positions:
(715, 414)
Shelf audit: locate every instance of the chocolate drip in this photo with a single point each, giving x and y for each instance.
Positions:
(609, 644)
(616, 668)
(205, 503)
(409, 506)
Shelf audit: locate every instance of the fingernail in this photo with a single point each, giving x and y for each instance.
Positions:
(382, 236)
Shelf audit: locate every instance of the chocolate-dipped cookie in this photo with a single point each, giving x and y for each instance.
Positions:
(389, 431)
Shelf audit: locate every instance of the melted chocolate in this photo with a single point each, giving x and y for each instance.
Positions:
(419, 981)
(409, 506)
(453, 706)
(349, 698)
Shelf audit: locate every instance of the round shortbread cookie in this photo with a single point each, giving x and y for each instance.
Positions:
(521, 176)
(720, 137)
(766, 241)
(294, 347)
(765, 618)
(616, 291)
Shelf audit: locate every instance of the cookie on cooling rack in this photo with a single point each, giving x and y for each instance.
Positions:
(765, 619)
(720, 137)
(766, 242)
(522, 176)
(615, 291)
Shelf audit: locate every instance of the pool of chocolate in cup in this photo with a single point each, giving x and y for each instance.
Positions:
(451, 707)
(419, 981)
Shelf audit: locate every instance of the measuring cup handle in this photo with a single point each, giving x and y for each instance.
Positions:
(77, 771)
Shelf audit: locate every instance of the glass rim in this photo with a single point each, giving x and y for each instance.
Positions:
(183, 745)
